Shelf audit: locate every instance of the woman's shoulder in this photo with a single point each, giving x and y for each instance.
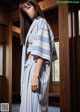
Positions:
(41, 20)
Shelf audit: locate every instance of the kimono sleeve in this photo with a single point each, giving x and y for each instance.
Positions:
(41, 44)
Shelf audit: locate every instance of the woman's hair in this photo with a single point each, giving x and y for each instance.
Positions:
(25, 21)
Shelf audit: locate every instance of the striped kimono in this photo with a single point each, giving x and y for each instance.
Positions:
(42, 46)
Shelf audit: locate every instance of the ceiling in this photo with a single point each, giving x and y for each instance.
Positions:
(10, 2)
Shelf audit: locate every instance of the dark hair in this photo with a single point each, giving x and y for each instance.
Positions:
(25, 21)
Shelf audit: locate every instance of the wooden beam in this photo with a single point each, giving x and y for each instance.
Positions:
(15, 29)
(45, 5)
(64, 59)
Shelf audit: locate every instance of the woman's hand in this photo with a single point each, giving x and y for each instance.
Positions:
(35, 83)
(35, 80)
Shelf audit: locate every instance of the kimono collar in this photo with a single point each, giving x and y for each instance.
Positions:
(31, 28)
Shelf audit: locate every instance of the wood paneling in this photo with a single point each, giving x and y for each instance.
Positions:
(3, 16)
(54, 90)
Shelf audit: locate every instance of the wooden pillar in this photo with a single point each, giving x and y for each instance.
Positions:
(64, 59)
(9, 64)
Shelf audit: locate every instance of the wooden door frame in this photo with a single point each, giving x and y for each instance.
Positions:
(9, 63)
(10, 31)
(64, 59)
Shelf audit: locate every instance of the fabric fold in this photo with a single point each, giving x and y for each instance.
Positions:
(43, 44)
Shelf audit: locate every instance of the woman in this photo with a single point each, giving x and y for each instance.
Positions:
(37, 54)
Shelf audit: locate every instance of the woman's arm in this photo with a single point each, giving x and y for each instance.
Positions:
(38, 66)
(35, 79)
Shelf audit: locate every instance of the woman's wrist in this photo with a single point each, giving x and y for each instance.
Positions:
(36, 75)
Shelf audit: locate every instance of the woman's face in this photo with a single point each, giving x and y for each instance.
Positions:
(29, 10)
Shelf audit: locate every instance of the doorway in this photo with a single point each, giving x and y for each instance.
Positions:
(16, 68)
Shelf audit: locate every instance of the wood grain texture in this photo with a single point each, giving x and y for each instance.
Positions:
(64, 59)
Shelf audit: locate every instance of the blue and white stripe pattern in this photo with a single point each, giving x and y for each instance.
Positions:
(43, 44)
(35, 101)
